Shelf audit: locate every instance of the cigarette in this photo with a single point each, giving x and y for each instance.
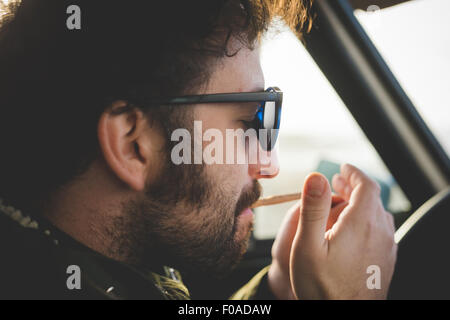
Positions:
(276, 199)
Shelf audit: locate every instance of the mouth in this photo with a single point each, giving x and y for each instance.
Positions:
(246, 212)
(243, 207)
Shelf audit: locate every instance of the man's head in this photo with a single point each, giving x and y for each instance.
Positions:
(81, 148)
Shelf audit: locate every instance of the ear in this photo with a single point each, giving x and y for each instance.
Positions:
(125, 139)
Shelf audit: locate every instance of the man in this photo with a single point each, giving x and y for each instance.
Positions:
(89, 107)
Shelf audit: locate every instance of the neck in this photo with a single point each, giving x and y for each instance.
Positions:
(84, 211)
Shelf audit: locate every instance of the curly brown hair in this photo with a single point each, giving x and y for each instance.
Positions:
(55, 82)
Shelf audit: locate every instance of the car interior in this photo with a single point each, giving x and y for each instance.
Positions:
(368, 84)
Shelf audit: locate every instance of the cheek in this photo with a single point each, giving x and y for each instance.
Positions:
(226, 157)
(229, 179)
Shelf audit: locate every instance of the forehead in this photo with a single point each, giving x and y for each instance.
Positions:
(239, 73)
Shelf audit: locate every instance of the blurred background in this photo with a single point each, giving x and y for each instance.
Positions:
(317, 131)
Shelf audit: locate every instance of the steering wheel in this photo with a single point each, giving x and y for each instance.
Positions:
(423, 263)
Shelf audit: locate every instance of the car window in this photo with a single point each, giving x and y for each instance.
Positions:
(317, 132)
(413, 39)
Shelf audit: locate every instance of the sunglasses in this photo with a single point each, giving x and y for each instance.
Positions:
(267, 119)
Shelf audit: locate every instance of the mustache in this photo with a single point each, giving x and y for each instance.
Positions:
(248, 197)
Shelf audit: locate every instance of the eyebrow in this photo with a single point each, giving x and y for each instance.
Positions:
(256, 88)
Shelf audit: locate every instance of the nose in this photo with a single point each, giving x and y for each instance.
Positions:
(267, 166)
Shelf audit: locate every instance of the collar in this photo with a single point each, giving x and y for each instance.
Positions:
(170, 284)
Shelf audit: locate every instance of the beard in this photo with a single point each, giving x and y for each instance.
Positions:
(187, 220)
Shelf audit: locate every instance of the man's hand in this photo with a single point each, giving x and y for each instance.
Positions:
(327, 252)
(279, 277)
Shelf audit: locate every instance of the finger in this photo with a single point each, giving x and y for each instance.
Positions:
(353, 175)
(286, 233)
(336, 199)
(341, 186)
(334, 213)
(314, 211)
(289, 224)
(363, 189)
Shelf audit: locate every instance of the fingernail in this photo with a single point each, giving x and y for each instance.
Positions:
(315, 186)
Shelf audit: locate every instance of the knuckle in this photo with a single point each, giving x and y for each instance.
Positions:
(313, 214)
(373, 191)
(345, 167)
(348, 171)
(370, 227)
(354, 177)
(373, 186)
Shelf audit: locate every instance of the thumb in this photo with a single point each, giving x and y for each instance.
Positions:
(314, 211)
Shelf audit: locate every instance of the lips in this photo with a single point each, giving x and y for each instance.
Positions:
(247, 198)
(247, 211)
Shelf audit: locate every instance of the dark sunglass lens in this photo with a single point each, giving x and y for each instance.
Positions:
(278, 117)
(259, 117)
